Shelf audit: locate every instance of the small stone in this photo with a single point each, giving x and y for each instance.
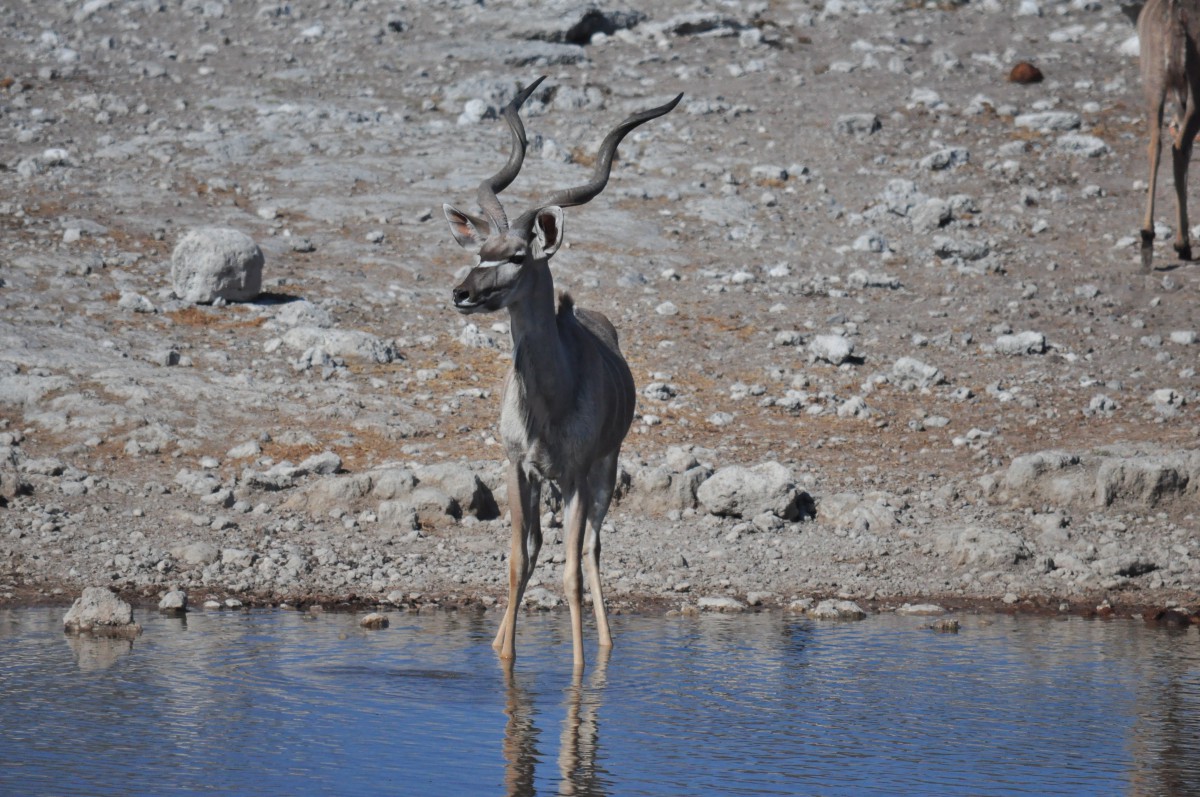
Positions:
(837, 610)
(374, 620)
(857, 124)
(174, 602)
(920, 609)
(721, 604)
(1021, 343)
(245, 450)
(667, 308)
(1049, 121)
(870, 242)
(833, 349)
(1082, 145)
(948, 158)
(541, 598)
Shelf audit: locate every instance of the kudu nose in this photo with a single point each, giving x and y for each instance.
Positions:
(461, 294)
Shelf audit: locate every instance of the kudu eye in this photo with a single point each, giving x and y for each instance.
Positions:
(517, 258)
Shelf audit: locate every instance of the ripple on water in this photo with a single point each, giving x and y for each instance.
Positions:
(277, 702)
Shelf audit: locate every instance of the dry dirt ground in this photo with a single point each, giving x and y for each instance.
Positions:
(864, 170)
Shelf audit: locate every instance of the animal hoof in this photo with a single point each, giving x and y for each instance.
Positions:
(1184, 252)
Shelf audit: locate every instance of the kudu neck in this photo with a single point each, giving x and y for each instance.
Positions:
(540, 356)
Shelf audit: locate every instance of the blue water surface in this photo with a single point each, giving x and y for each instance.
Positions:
(287, 703)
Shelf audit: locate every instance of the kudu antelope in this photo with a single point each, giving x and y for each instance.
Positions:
(568, 398)
(1167, 39)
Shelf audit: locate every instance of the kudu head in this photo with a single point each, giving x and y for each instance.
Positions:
(509, 255)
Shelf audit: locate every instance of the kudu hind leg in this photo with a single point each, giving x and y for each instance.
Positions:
(524, 503)
(603, 480)
(1155, 151)
(1181, 155)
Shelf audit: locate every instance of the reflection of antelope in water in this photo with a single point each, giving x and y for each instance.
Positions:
(569, 395)
(1169, 62)
(578, 743)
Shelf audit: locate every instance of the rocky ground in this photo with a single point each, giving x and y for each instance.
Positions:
(883, 305)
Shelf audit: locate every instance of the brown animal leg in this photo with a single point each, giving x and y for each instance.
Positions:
(575, 522)
(1181, 152)
(602, 480)
(524, 500)
(1155, 150)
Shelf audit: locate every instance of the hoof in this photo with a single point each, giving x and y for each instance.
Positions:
(1147, 249)
(1184, 251)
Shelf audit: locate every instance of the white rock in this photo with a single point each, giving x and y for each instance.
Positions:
(833, 349)
(1049, 121)
(245, 450)
(470, 335)
(667, 308)
(196, 553)
(135, 302)
(340, 342)
(854, 407)
(738, 491)
(213, 263)
(947, 158)
(911, 371)
(1021, 343)
(374, 620)
(930, 215)
(857, 124)
(99, 611)
(541, 598)
(173, 601)
(1085, 146)
(474, 111)
(324, 463)
(870, 242)
(837, 610)
(721, 603)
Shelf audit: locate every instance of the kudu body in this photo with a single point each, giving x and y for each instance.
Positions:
(1169, 62)
(569, 397)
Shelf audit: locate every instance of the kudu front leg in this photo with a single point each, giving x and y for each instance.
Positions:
(576, 522)
(524, 501)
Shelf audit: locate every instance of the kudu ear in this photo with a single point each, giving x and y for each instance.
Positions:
(548, 227)
(470, 231)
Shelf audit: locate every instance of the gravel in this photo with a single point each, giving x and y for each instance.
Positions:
(882, 305)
